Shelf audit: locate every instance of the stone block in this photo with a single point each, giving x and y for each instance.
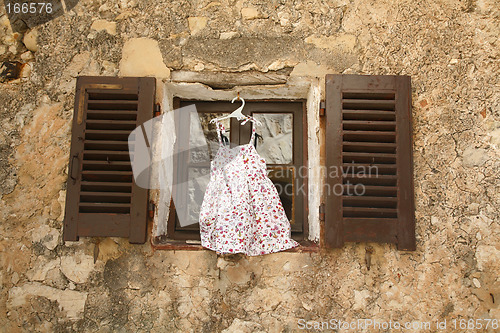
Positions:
(103, 25)
(340, 42)
(30, 40)
(196, 24)
(250, 13)
(77, 267)
(142, 57)
(474, 157)
(70, 301)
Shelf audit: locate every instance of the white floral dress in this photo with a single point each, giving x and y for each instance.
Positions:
(241, 210)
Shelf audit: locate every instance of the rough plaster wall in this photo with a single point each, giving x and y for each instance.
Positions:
(450, 48)
(162, 175)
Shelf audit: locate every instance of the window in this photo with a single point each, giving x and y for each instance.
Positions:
(280, 140)
(102, 198)
(367, 189)
(369, 146)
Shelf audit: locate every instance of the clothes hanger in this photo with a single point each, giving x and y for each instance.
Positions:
(237, 113)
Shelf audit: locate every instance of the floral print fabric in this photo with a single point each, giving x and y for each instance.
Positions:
(241, 210)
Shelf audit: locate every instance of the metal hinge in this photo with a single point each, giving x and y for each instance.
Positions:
(151, 209)
(322, 212)
(322, 107)
(157, 110)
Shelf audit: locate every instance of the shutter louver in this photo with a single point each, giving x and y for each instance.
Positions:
(368, 125)
(102, 197)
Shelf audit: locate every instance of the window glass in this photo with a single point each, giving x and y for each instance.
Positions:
(210, 136)
(196, 186)
(284, 180)
(275, 143)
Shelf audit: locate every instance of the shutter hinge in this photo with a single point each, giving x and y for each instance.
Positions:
(322, 212)
(322, 107)
(157, 110)
(151, 209)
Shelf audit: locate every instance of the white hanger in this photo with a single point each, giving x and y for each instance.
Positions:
(236, 113)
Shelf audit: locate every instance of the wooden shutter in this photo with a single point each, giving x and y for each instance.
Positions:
(102, 198)
(368, 142)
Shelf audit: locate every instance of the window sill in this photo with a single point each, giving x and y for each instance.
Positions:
(304, 247)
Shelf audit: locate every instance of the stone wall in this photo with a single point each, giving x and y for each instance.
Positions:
(450, 49)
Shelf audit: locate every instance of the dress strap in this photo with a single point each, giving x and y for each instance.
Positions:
(254, 121)
(220, 128)
(252, 137)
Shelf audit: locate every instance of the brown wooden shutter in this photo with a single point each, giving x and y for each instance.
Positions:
(102, 198)
(368, 142)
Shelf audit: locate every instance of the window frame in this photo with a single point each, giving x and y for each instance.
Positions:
(243, 132)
